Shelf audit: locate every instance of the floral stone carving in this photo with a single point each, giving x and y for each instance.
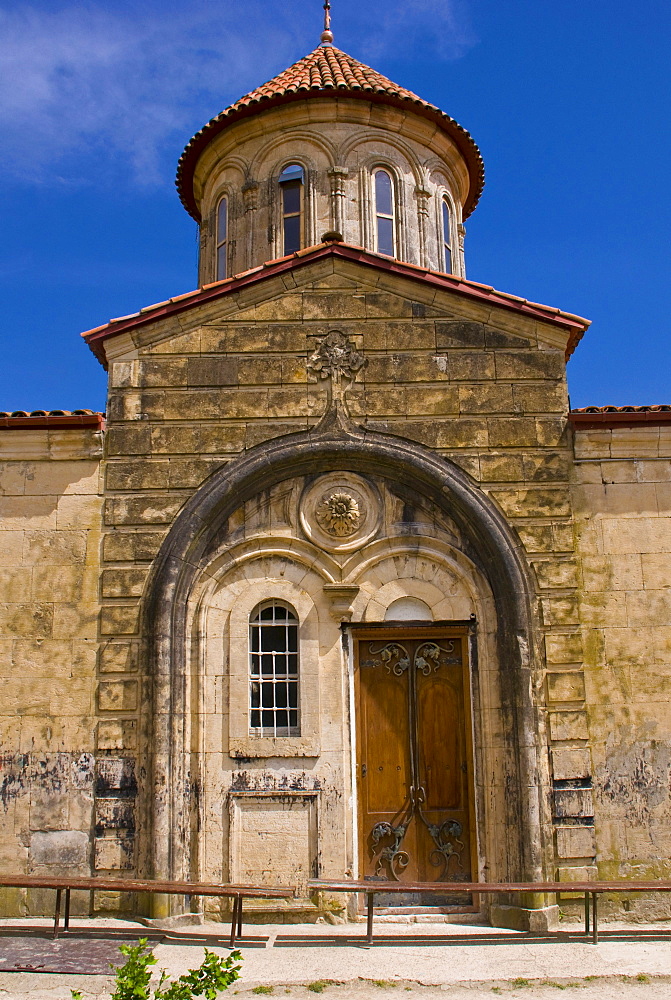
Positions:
(336, 356)
(338, 514)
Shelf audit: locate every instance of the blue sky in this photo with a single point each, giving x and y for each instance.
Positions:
(569, 103)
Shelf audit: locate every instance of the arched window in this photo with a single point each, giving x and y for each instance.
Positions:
(291, 187)
(385, 221)
(447, 237)
(273, 670)
(222, 239)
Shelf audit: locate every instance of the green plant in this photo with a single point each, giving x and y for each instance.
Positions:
(383, 983)
(132, 978)
(318, 986)
(642, 978)
(520, 981)
(263, 989)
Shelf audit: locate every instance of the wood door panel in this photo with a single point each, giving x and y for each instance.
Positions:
(413, 770)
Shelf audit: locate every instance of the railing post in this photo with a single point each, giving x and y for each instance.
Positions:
(369, 918)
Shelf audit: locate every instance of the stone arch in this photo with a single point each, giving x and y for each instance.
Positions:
(192, 542)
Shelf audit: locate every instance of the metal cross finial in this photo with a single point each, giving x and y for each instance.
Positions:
(327, 34)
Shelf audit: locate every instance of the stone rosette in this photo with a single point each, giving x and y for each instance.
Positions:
(340, 513)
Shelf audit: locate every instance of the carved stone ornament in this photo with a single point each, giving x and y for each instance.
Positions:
(336, 356)
(340, 512)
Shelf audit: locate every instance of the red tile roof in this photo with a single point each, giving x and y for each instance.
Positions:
(594, 417)
(327, 72)
(21, 419)
(574, 325)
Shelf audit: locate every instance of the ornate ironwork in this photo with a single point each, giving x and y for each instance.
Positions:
(393, 657)
(391, 855)
(445, 836)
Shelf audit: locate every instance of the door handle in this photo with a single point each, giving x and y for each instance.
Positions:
(364, 770)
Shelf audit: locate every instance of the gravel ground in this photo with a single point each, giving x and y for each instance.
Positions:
(450, 962)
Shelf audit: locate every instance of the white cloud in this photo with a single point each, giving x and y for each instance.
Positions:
(88, 88)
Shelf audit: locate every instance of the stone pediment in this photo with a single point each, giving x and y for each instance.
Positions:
(334, 283)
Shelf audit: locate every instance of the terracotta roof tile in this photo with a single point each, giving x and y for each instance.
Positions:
(575, 325)
(323, 73)
(63, 419)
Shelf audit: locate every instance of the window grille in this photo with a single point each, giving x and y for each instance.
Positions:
(273, 671)
(291, 186)
(222, 239)
(447, 237)
(384, 214)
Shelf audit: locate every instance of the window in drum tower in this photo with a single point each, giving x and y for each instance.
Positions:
(447, 237)
(222, 239)
(384, 213)
(291, 187)
(273, 671)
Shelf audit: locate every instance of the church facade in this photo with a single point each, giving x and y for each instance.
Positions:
(339, 585)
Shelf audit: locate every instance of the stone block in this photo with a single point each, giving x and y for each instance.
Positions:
(385, 304)
(459, 333)
(114, 854)
(115, 734)
(15, 585)
(461, 432)
(78, 512)
(49, 809)
(144, 509)
(118, 696)
(568, 764)
(197, 439)
(62, 584)
(592, 443)
(560, 610)
(568, 726)
(512, 432)
(536, 537)
(331, 306)
(257, 433)
(496, 398)
(539, 399)
(64, 848)
(519, 340)
(115, 777)
(124, 582)
(564, 647)
(134, 440)
(212, 371)
(547, 468)
(131, 546)
(164, 372)
(470, 366)
(649, 607)
(637, 534)
(537, 502)
(556, 574)
(656, 570)
(530, 365)
(566, 685)
(114, 814)
(137, 475)
(26, 620)
(502, 467)
(576, 873)
(117, 620)
(433, 401)
(573, 803)
(54, 548)
(575, 841)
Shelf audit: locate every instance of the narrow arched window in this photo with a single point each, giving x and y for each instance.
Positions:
(273, 670)
(447, 237)
(222, 239)
(291, 187)
(385, 222)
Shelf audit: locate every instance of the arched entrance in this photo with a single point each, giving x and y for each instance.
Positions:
(192, 560)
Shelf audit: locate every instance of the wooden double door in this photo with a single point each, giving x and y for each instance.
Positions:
(414, 760)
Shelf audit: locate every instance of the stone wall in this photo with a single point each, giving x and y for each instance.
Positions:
(622, 505)
(480, 385)
(50, 519)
